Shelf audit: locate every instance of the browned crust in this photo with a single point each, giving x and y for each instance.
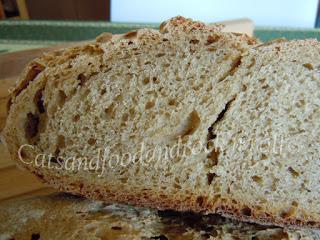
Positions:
(33, 71)
(151, 199)
(264, 218)
(180, 203)
(36, 66)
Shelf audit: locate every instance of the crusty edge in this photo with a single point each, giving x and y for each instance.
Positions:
(181, 203)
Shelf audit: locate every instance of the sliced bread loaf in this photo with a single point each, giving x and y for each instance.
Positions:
(62, 216)
(173, 119)
(268, 140)
(148, 90)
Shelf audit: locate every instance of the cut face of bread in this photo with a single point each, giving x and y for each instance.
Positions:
(268, 140)
(173, 119)
(62, 216)
(121, 105)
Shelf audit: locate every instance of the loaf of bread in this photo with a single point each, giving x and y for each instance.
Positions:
(185, 118)
(62, 216)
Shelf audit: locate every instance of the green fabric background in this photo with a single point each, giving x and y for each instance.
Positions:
(18, 35)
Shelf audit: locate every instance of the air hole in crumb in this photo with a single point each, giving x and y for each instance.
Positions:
(150, 104)
(172, 102)
(244, 87)
(210, 177)
(287, 214)
(124, 180)
(177, 186)
(213, 156)
(160, 54)
(39, 101)
(257, 179)
(32, 125)
(61, 98)
(54, 159)
(205, 99)
(193, 122)
(194, 41)
(301, 103)
(234, 202)
(125, 117)
(234, 66)
(293, 172)
(107, 68)
(146, 80)
(118, 98)
(57, 151)
(197, 87)
(212, 49)
(295, 204)
(308, 66)
(60, 142)
(264, 157)
(23, 154)
(160, 237)
(82, 79)
(35, 236)
(92, 141)
(311, 223)
(259, 208)
(132, 112)
(200, 201)
(76, 118)
(262, 80)
(103, 91)
(109, 111)
(116, 228)
(246, 212)
(155, 80)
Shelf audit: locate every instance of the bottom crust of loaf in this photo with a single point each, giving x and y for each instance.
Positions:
(183, 203)
(65, 216)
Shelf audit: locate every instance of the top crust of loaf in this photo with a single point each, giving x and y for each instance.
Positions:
(78, 90)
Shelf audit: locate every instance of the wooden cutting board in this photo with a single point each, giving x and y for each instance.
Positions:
(13, 181)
